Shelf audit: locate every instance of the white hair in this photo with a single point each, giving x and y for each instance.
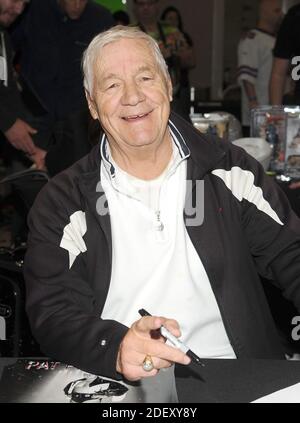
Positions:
(114, 34)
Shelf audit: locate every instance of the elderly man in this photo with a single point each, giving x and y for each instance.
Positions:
(119, 231)
(12, 111)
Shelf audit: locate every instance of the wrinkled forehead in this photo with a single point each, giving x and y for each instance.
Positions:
(126, 52)
(124, 58)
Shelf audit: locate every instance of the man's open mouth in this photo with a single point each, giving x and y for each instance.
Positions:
(134, 118)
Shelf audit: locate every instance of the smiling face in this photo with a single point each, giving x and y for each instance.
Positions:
(131, 97)
(10, 10)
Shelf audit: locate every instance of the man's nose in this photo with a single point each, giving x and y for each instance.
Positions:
(132, 94)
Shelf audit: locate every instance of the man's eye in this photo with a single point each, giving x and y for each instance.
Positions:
(111, 86)
(146, 78)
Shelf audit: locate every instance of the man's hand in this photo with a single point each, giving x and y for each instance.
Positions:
(38, 157)
(144, 338)
(295, 185)
(19, 136)
(278, 79)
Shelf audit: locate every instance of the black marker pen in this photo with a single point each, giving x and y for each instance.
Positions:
(175, 341)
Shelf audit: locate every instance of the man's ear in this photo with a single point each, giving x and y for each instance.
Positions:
(170, 88)
(92, 105)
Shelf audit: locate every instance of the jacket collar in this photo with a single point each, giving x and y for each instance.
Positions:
(204, 152)
(177, 139)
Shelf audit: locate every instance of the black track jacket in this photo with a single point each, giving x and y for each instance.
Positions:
(248, 229)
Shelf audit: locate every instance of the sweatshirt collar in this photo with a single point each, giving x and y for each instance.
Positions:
(203, 152)
(178, 142)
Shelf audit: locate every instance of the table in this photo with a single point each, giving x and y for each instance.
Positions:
(220, 381)
(238, 381)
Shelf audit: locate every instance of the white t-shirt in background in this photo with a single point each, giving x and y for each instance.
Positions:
(255, 60)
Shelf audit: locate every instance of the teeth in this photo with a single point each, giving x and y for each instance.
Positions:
(135, 117)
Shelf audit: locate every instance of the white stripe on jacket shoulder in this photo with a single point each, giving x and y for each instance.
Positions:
(241, 184)
(72, 239)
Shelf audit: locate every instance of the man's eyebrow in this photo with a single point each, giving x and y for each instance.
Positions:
(144, 68)
(109, 76)
(115, 76)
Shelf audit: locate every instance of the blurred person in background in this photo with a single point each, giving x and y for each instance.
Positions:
(51, 38)
(172, 44)
(171, 16)
(286, 49)
(255, 58)
(14, 124)
(121, 17)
